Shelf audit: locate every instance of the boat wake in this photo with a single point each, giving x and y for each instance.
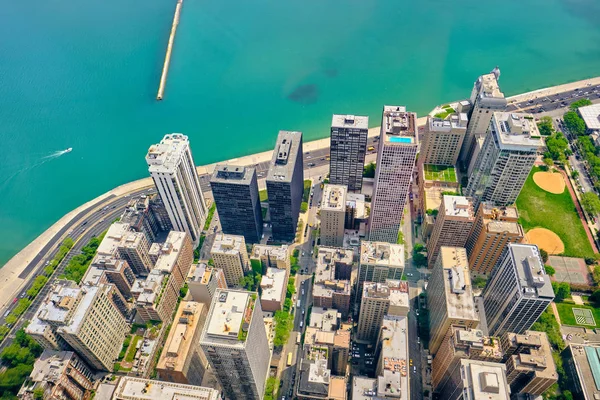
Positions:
(41, 161)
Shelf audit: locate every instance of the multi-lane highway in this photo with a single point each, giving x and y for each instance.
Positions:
(554, 102)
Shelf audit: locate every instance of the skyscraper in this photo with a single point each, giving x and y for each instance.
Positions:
(172, 168)
(348, 146)
(235, 342)
(379, 261)
(235, 190)
(486, 98)
(443, 139)
(452, 225)
(333, 215)
(285, 185)
(493, 228)
(476, 380)
(518, 290)
(398, 142)
(379, 300)
(509, 151)
(453, 302)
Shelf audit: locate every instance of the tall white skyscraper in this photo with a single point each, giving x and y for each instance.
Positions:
(518, 290)
(398, 142)
(172, 168)
(508, 154)
(486, 98)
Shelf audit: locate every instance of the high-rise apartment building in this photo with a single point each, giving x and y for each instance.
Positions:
(173, 171)
(130, 388)
(333, 215)
(378, 300)
(348, 147)
(273, 289)
(452, 225)
(235, 190)
(518, 290)
(476, 380)
(203, 282)
(583, 361)
(493, 229)
(235, 342)
(461, 344)
(486, 98)
(58, 375)
(330, 288)
(229, 253)
(379, 261)
(182, 360)
(140, 218)
(134, 248)
(337, 344)
(285, 185)
(393, 358)
(509, 151)
(453, 302)
(110, 270)
(159, 210)
(84, 319)
(434, 181)
(271, 256)
(443, 139)
(398, 143)
(529, 363)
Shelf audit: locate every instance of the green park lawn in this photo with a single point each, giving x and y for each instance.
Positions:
(556, 212)
(566, 313)
(440, 173)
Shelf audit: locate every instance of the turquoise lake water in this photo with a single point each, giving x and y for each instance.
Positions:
(85, 75)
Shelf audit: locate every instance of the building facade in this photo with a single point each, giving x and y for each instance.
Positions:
(285, 185)
(379, 261)
(518, 290)
(508, 154)
(235, 191)
(130, 388)
(332, 288)
(333, 215)
(348, 147)
(379, 300)
(452, 225)
(203, 282)
(452, 304)
(443, 139)
(173, 171)
(475, 380)
(229, 254)
(398, 143)
(493, 229)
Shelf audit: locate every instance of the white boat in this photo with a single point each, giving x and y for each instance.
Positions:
(69, 150)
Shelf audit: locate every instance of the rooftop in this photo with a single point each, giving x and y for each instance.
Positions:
(591, 116)
(393, 365)
(398, 293)
(381, 253)
(166, 156)
(488, 86)
(586, 360)
(61, 302)
(201, 273)
(132, 240)
(363, 388)
(334, 198)
(399, 126)
(229, 317)
(456, 123)
(441, 173)
(170, 251)
(508, 213)
(349, 121)
(228, 244)
(145, 389)
(517, 131)
(273, 284)
(458, 207)
(457, 284)
(277, 252)
(485, 380)
(326, 319)
(327, 259)
(357, 202)
(530, 271)
(505, 226)
(177, 346)
(287, 147)
(475, 339)
(80, 312)
(539, 358)
(115, 233)
(50, 366)
(147, 290)
(232, 174)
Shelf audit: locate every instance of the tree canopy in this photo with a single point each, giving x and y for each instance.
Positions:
(590, 203)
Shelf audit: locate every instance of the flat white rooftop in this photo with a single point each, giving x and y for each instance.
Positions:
(334, 198)
(170, 251)
(166, 156)
(591, 116)
(458, 206)
(382, 253)
(349, 121)
(145, 389)
(394, 375)
(116, 232)
(273, 284)
(517, 131)
(229, 310)
(228, 244)
(485, 380)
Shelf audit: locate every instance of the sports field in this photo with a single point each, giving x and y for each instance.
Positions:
(442, 173)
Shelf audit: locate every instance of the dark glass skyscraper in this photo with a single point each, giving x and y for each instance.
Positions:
(285, 185)
(235, 190)
(348, 144)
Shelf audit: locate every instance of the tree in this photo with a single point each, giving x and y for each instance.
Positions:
(544, 255)
(557, 146)
(38, 393)
(369, 170)
(591, 203)
(562, 290)
(595, 297)
(596, 274)
(574, 174)
(580, 103)
(545, 126)
(549, 270)
(420, 259)
(548, 161)
(574, 123)
(418, 248)
(303, 207)
(479, 282)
